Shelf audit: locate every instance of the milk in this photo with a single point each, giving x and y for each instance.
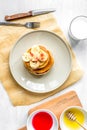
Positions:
(79, 27)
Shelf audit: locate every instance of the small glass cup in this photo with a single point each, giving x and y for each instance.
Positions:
(80, 115)
(78, 28)
(41, 119)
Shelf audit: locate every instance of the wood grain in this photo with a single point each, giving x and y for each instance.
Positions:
(18, 16)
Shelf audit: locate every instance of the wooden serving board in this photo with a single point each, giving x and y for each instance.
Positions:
(58, 104)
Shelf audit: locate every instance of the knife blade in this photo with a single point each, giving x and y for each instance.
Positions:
(28, 14)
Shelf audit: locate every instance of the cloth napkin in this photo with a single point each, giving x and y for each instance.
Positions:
(8, 37)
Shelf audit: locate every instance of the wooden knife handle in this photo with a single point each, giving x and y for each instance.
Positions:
(18, 16)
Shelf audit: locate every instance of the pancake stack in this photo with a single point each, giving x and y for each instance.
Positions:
(38, 60)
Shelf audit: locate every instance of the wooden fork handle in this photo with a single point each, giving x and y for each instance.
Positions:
(18, 16)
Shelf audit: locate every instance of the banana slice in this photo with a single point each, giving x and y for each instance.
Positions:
(34, 65)
(26, 57)
(43, 56)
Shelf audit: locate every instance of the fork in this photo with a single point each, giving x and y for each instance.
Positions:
(27, 25)
(71, 116)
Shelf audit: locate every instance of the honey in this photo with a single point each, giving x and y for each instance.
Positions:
(72, 125)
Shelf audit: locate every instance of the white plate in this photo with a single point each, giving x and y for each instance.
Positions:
(58, 73)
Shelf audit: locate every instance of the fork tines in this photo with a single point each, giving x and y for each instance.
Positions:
(35, 24)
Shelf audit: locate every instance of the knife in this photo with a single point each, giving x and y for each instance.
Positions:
(28, 14)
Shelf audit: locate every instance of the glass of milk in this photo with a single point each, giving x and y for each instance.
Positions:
(78, 28)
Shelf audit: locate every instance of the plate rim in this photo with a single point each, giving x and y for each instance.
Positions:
(35, 31)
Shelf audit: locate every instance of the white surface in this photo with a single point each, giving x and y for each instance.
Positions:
(11, 118)
(59, 72)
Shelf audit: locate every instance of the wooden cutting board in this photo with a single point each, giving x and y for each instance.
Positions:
(58, 104)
